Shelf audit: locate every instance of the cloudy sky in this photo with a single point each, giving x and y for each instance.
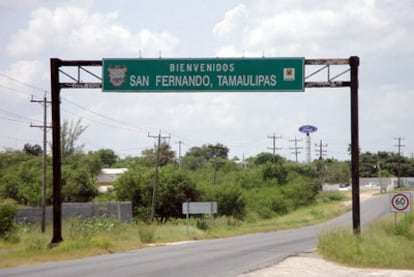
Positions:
(380, 32)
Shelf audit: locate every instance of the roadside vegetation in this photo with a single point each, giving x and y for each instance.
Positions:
(95, 236)
(382, 244)
(263, 193)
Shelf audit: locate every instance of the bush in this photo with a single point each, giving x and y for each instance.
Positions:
(147, 233)
(404, 228)
(202, 224)
(8, 211)
(301, 191)
(330, 196)
(89, 227)
(267, 202)
(230, 201)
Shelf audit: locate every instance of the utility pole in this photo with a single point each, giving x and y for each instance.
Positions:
(44, 165)
(215, 148)
(179, 152)
(296, 148)
(157, 158)
(322, 149)
(399, 145)
(274, 148)
(244, 164)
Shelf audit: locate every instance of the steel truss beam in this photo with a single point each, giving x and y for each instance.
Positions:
(59, 69)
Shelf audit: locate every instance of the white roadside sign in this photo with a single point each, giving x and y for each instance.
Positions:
(199, 207)
(400, 202)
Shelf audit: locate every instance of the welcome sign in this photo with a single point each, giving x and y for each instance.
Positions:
(203, 75)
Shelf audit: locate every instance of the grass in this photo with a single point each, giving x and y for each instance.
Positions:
(381, 245)
(94, 236)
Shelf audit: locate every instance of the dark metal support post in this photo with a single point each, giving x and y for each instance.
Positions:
(356, 220)
(57, 171)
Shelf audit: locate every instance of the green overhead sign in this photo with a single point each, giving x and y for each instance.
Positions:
(203, 75)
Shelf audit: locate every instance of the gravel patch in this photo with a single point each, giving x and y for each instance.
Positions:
(313, 265)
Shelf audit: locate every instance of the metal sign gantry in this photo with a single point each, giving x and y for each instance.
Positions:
(76, 71)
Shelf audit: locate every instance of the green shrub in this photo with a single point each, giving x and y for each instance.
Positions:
(8, 211)
(202, 224)
(36, 245)
(329, 196)
(147, 233)
(267, 202)
(230, 201)
(89, 227)
(101, 242)
(404, 228)
(301, 191)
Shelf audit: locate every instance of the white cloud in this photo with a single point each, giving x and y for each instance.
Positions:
(26, 72)
(232, 19)
(313, 28)
(73, 31)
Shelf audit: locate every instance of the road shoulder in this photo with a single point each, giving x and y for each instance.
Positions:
(310, 264)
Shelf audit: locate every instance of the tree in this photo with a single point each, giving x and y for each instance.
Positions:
(230, 201)
(275, 172)
(107, 157)
(175, 189)
(78, 186)
(11, 158)
(263, 158)
(336, 172)
(388, 163)
(166, 156)
(35, 150)
(197, 156)
(8, 211)
(368, 165)
(22, 182)
(69, 135)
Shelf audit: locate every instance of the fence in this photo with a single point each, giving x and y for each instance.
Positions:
(120, 210)
(375, 183)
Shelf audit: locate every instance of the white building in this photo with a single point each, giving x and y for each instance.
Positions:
(107, 176)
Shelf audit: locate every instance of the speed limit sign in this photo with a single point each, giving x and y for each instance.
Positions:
(400, 202)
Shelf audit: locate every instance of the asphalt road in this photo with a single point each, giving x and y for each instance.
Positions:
(218, 257)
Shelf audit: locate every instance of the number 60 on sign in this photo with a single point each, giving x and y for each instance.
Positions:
(400, 202)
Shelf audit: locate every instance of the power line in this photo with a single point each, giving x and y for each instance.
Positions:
(14, 120)
(71, 102)
(14, 90)
(126, 124)
(22, 83)
(13, 114)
